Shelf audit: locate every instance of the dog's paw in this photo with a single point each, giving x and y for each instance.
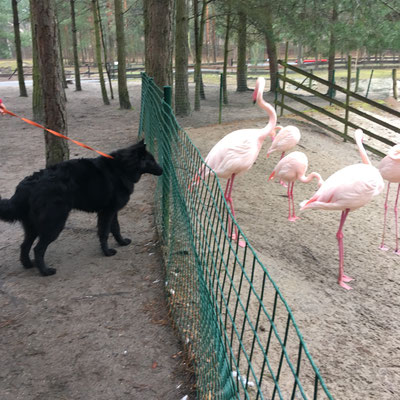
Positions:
(48, 271)
(110, 252)
(124, 242)
(27, 264)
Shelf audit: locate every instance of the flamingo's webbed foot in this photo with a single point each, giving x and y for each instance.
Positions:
(344, 285)
(383, 247)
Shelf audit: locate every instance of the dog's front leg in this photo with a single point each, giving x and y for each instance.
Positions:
(115, 230)
(104, 221)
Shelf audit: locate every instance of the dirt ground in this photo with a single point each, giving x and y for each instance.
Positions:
(98, 329)
(353, 336)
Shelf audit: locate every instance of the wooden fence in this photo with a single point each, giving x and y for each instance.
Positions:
(346, 106)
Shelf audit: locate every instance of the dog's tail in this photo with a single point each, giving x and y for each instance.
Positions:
(8, 211)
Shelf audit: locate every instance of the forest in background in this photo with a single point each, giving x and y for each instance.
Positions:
(170, 37)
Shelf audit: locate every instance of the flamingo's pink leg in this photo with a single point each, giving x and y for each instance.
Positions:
(291, 198)
(288, 195)
(228, 197)
(281, 181)
(395, 221)
(382, 246)
(339, 235)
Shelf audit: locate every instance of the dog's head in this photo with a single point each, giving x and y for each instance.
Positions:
(136, 160)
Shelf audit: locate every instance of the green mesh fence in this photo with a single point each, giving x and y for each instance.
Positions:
(236, 327)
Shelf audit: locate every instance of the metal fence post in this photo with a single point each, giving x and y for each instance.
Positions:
(166, 164)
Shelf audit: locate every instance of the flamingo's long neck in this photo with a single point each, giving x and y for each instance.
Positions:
(310, 177)
(361, 149)
(269, 128)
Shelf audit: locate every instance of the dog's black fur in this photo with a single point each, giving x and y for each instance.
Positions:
(43, 201)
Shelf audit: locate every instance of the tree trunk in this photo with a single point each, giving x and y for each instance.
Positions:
(226, 54)
(198, 40)
(98, 52)
(106, 63)
(17, 37)
(37, 93)
(45, 26)
(332, 43)
(241, 72)
(271, 49)
(182, 103)
(122, 86)
(78, 86)
(157, 33)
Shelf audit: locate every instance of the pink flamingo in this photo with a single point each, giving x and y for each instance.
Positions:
(347, 189)
(291, 168)
(236, 153)
(389, 168)
(285, 139)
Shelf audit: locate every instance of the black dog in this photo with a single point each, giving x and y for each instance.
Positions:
(43, 201)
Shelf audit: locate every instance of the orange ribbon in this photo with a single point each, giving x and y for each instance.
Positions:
(4, 110)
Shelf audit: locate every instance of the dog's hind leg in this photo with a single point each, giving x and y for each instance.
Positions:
(51, 228)
(30, 236)
(104, 222)
(115, 230)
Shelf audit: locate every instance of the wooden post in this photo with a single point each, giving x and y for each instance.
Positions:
(346, 115)
(369, 83)
(331, 90)
(309, 83)
(284, 77)
(357, 79)
(394, 76)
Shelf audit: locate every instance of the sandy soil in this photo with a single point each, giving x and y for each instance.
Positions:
(353, 336)
(99, 328)
(95, 329)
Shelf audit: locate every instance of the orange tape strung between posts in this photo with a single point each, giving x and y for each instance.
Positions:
(28, 121)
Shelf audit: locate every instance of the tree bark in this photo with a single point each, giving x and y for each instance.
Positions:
(198, 39)
(122, 85)
(37, 93)
(226, 54)
(45, 26)
(78, 86)
(332, 43)
(98, 52)
(182, 103)
(157, 33)
(241, 73)
(18, 52)
(271, 48)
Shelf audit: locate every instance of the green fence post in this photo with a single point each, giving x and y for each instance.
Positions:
(346, 115)
(369, 83)
(220, 97)
(166, 163)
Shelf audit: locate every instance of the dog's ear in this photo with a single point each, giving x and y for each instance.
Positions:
(141, 143)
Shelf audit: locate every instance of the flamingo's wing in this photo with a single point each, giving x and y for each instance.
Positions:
(233, 154)
(351, 187)
(291, 167)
